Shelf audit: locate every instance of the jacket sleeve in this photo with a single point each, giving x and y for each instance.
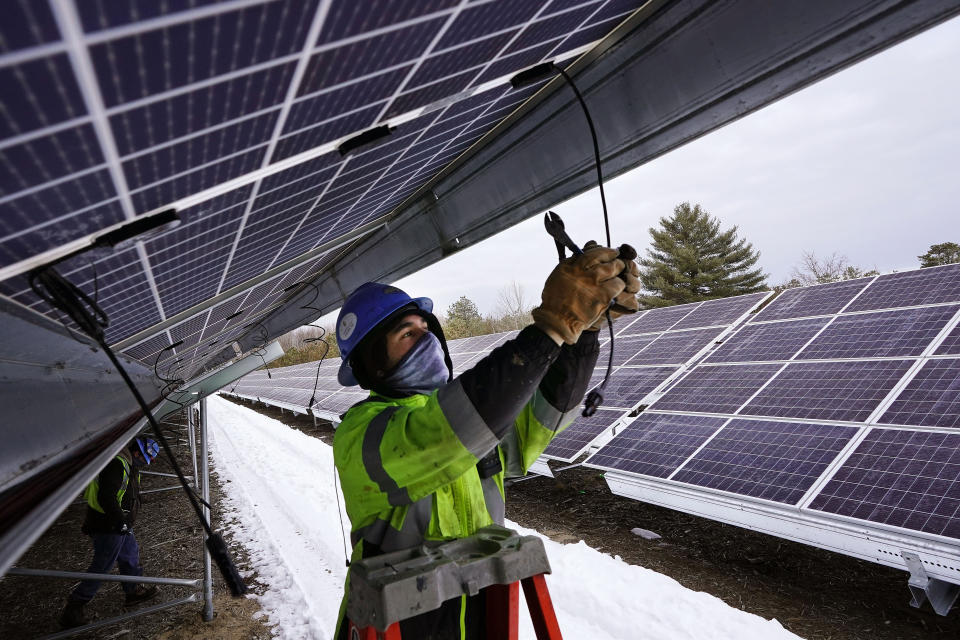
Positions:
(554, 405)
(404, 453)
(111, 479)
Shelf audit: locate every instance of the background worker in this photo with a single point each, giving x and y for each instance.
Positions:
(113, 499)
(424, 457)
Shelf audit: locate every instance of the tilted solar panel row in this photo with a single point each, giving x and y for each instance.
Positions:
(839, 401)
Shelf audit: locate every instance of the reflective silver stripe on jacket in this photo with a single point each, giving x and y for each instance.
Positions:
(470, 428)
(513, 461)
(494, 501)
(411, 534)
(373, 462)
(548, 415)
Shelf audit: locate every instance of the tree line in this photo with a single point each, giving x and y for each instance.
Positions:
(690, 258)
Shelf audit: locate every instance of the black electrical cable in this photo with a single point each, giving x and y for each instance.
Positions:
(58, 292)
(595, 396)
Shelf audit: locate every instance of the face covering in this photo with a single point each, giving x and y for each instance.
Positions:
(422, 370)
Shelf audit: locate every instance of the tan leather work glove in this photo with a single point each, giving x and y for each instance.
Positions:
(627, 298)
(578, 292)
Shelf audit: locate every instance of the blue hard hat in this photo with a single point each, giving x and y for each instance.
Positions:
(149, 448)
(365, 308)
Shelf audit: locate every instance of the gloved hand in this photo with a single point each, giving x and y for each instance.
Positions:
(627, 298)
(578, 292)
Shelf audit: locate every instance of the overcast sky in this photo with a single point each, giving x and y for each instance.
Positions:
(864, 163)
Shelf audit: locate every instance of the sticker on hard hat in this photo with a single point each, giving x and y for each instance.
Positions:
(347, 324)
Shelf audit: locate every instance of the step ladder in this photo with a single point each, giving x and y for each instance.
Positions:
(389, 588)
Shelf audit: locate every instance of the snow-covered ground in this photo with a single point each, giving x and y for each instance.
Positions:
(279, 496)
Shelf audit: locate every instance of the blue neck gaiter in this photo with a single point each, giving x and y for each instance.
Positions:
(422, 370)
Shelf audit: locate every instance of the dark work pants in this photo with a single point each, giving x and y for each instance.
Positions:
(110, 549)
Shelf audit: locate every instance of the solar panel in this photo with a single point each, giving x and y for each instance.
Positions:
(904, 332)
(656, 444)
(847, 391)
(931, 398)
(656, 320)
(909, 288)
(767, 341)
(571, 442)
(673, 347)
(113, 112)
(824, 299)
(717, 388)
(951, 343)
(776, 461)
(630, 385)
(902, 478)
(720, 312)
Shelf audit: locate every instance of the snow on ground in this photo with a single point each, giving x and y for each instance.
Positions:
(278, 487)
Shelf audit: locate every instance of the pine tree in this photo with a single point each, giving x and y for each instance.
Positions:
(691, 260)
(938, 254)
(463, 319)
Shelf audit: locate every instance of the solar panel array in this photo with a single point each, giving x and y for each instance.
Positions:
(113, 110)
(840, 399)
(649, 349)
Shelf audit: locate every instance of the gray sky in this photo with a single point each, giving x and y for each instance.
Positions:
(864, 163)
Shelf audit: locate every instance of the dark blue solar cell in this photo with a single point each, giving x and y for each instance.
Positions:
(478, 21)
(37, 94)
(908, 288)
(510, 64)
(905, 332)
(628, 386)
(549, 28)
(716, 389)
(189, 329)
(655, 444)
(571, 442)
(615, 9)
(589, 34)
(773, 341)
(340, 64)
(657, 319)
(931, 398)
(188, 267)
(332, 130)
(158, 122)
(305, 171)
(333, 104)
(903, 478)
(818, 300)
(151, 62)
(56, 232)
(625, 348)
(428, 94)
(172, 190)
(61, 199)
(674, 347)
(177, 158)
(715, 313)
(97, 15)
(26, 23)
(765, 459)
(951, 344)
(349, 18)
(45, 159)
(442, 65)
(148, 350)
(828, 390)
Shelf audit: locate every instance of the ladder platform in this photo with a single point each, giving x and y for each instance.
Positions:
(395, 586)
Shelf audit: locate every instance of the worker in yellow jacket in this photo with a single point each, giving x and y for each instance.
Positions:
(423, 459)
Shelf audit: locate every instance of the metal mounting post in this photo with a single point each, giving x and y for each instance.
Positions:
(205, 494)
(941, 594)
